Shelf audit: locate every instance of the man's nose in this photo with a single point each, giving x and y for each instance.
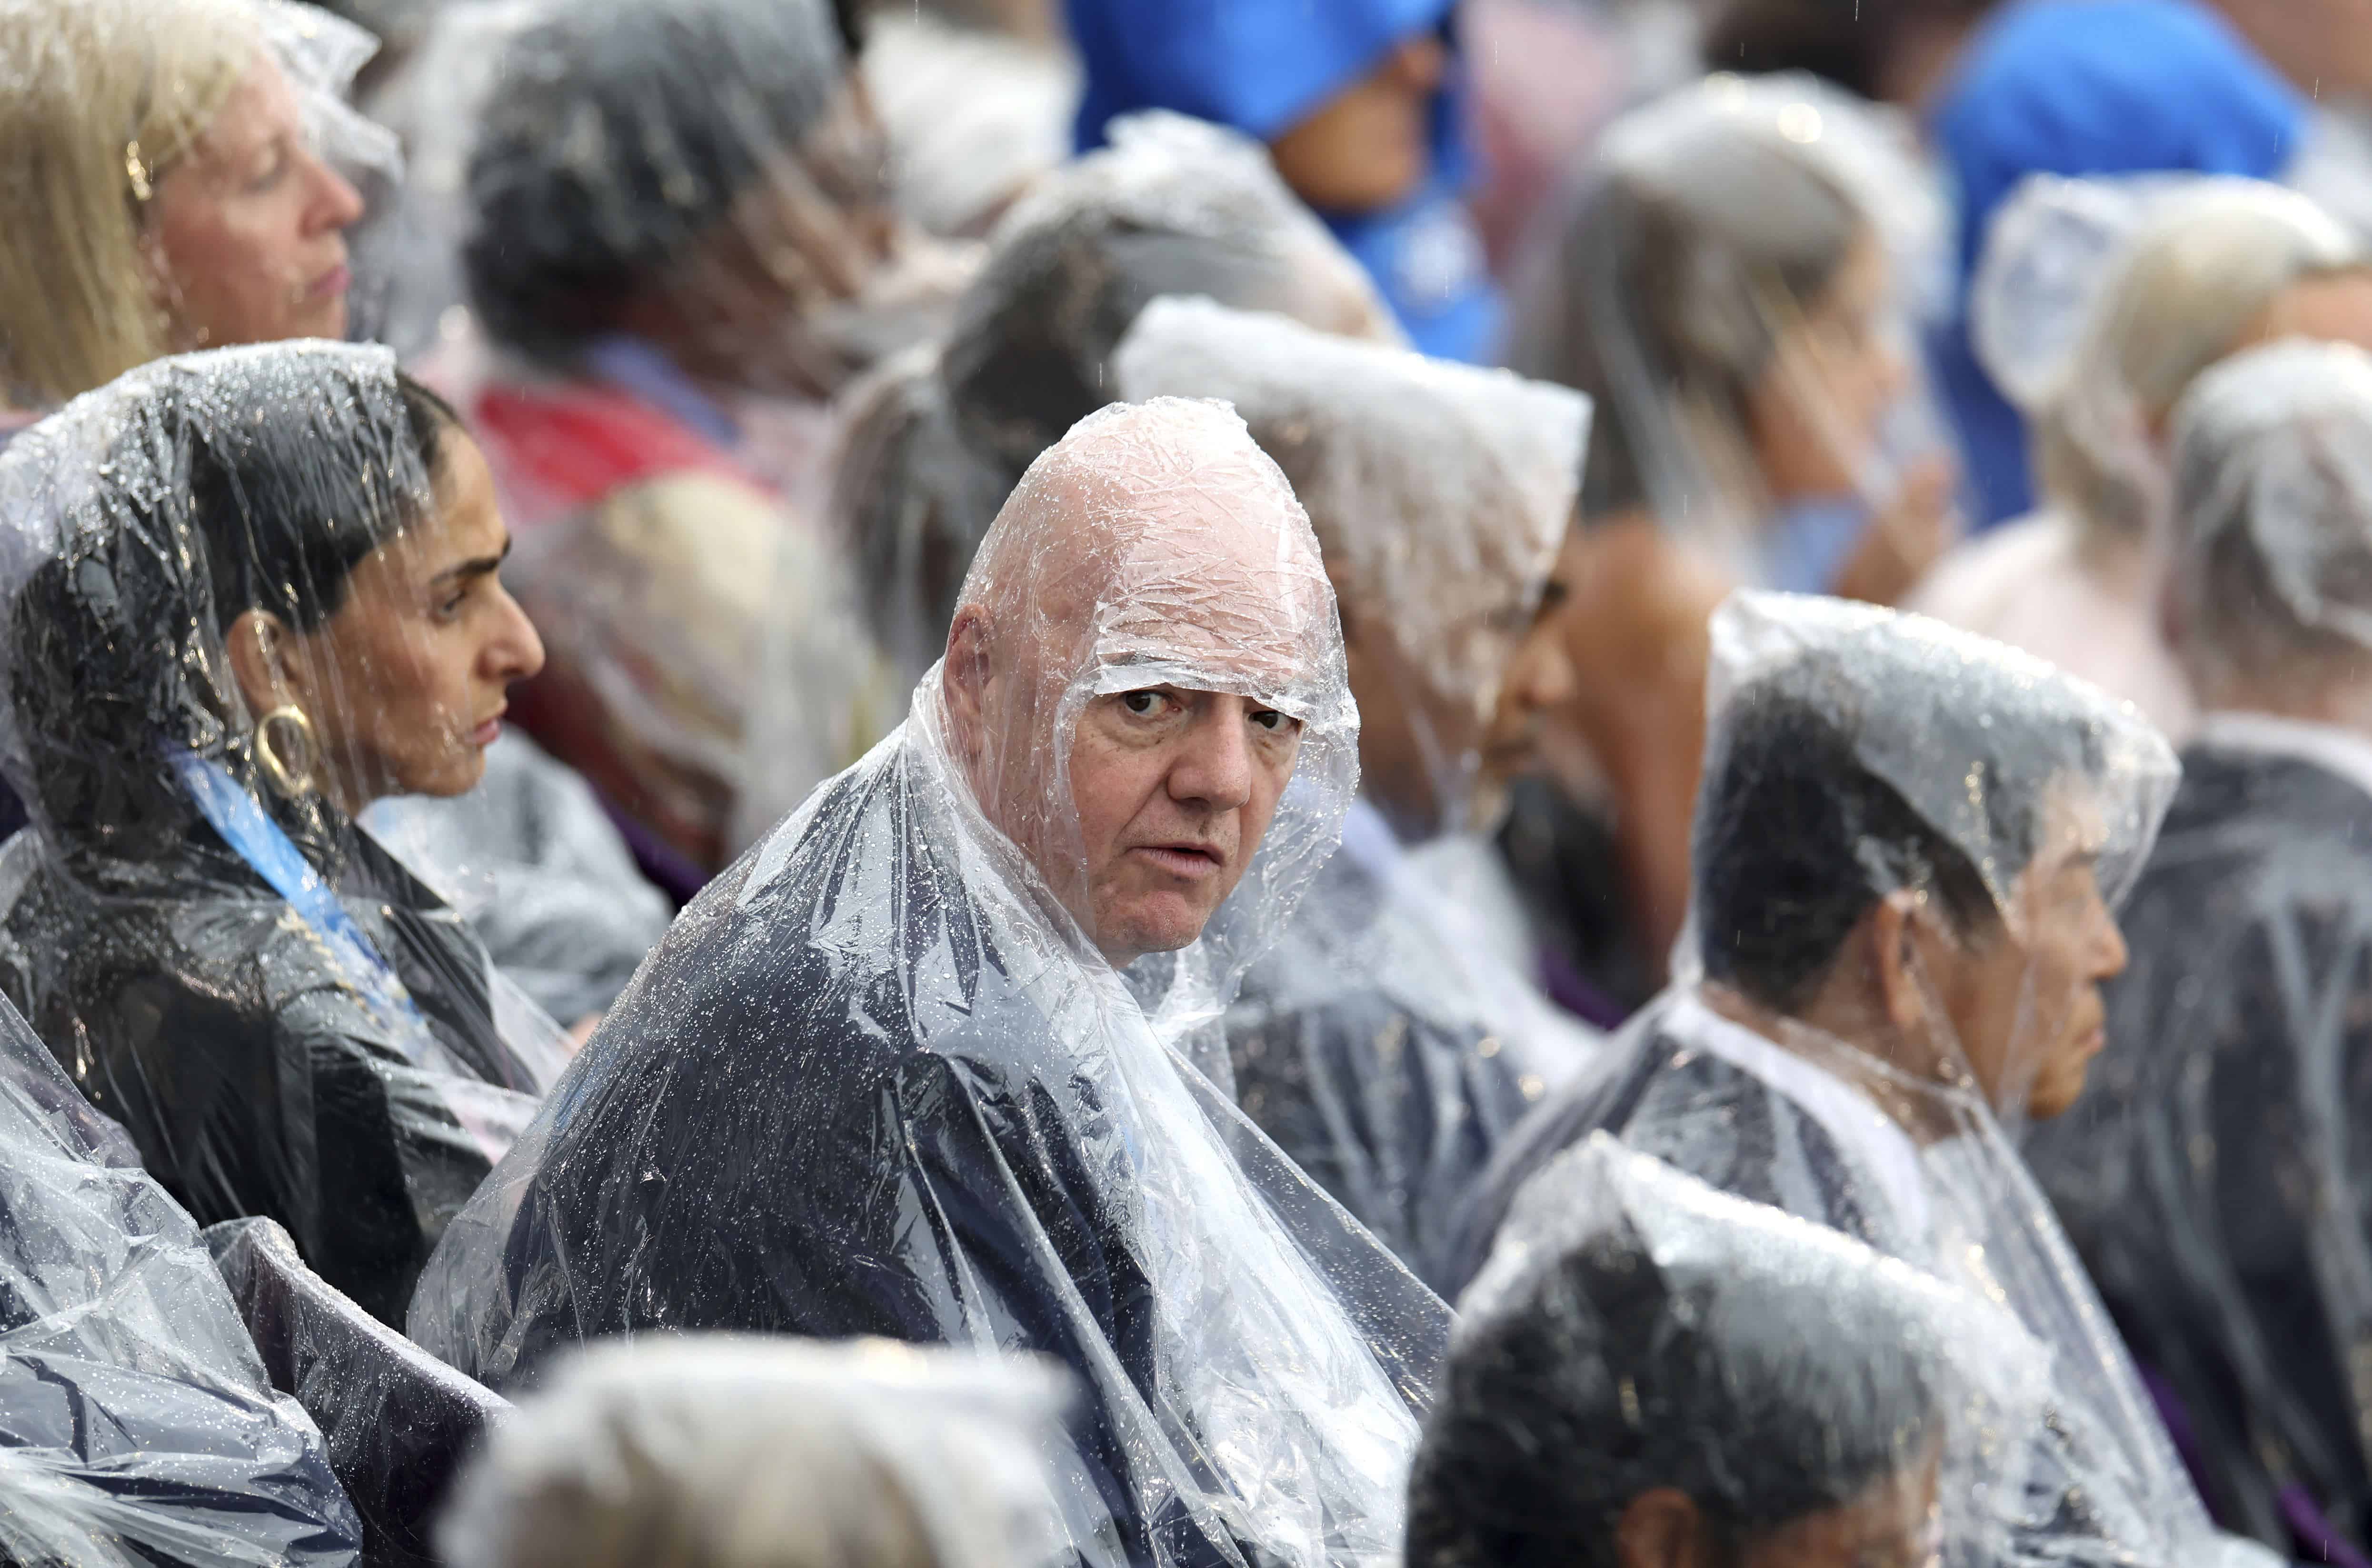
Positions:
(1215, 759)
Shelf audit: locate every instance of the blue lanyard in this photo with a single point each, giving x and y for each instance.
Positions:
(247, 828)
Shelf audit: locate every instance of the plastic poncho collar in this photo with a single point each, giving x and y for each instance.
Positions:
(1261, 69)
(288, 1022)
(880, 1079)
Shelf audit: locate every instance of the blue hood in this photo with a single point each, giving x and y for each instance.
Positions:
(1261, 66)
(2090, 86)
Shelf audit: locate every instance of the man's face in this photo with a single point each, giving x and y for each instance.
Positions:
(2025, 998)
(1174, 791)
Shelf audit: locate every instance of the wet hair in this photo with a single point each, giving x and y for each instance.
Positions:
(620, 132)
(276, 527)
(1795, 837)
(1603, 1378)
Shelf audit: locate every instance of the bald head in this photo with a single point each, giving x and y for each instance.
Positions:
(1150, 617)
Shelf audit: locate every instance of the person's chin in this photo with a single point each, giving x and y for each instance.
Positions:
(1162, 922)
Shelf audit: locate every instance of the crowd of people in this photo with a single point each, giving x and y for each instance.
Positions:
(1186, 783)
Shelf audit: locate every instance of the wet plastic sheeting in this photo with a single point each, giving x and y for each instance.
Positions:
(718, 1447)
(137, 1426)
(398, 1422)
(1977, 788)
(2211, 1175)
(289, 1023)
(880, 1078)
(1380, 1045)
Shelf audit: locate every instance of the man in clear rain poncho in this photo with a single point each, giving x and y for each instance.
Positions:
(1908, 846)
(2213, 1178)
(904, 1070)
(1379, 1043)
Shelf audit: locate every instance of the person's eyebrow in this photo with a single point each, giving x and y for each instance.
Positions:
(475, 567)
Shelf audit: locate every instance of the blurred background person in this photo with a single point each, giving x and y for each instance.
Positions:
(2213, 1176)
(1652, 1374)
(938, 437)
(671, 288)
(1381, 1045)
(720, 1451)
(250, 592)
(1902, 53)
(1360, 103)
(2204, 268)
(1720, 283)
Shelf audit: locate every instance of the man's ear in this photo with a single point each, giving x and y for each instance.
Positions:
(1892, 934)
(1661, 1529)
(258, 661)
(963, 679)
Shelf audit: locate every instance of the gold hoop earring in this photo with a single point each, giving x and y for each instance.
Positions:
(289, 782)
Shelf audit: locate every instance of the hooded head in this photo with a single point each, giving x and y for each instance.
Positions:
(1438, 493)
(1144, 684)
(1914, 840)
(277, 559)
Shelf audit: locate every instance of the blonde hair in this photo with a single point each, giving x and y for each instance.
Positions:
(2194, 284)
(102, 99)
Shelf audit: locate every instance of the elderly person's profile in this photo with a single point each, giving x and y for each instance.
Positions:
(917, 1067)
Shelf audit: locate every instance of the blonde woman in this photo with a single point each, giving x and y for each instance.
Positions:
(2215, 266)
(163, 166)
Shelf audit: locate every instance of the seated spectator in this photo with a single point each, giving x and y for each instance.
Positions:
(251, 592)
(1720, 283)
(729, 1451)
(2211, 267)
(679, 246)
(905, 1070)
(2209, 1177)
(1380, 1044)
(1360, 104)
(1652, 1374)
(135, 1423)
(1908, 846)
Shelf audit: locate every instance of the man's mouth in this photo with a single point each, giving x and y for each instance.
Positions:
(1190, 862)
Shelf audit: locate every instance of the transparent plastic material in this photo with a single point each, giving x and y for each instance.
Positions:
(2272, 463)
(237, 606)
(765, 1452)
(1734, 278)
(2210, 1176)
(1172, 206)
(539, 870)
(1380, 1045)
(1909, 846)
(1638, 1330)
(883, 1077)
(398, 1422)
(140, 1428)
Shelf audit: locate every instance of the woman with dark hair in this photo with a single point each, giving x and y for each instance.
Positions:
(249, 592)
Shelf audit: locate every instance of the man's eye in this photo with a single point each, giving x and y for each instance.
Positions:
(1140, 702)
(1269, 718)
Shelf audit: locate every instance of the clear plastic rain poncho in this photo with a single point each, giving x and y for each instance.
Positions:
(731, 1451)
(137, 1426)
(936, 442)
(1735, 277)
(398, 1423)
(2211, 1176)
(540, 871)
(680, 245)
(1381, 1044)
(289, 1023)
(2094, 304)
(1908, 847)
(1812, 1400)
(880, 1078)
